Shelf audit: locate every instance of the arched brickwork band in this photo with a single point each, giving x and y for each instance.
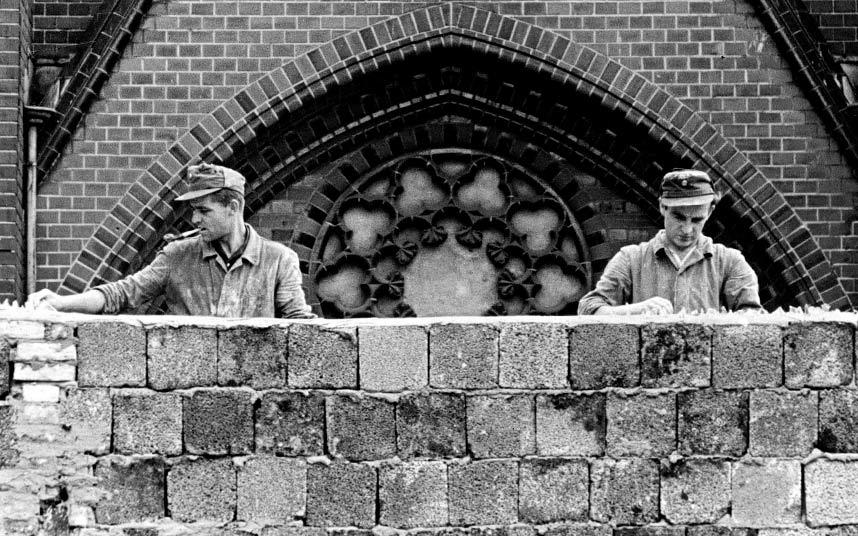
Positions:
(429, 74)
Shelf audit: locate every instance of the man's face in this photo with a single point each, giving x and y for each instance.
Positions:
(684, 224)
(213, 219)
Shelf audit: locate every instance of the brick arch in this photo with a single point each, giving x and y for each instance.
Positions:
(135, 226)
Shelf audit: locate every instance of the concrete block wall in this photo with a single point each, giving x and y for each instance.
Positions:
(697, 426)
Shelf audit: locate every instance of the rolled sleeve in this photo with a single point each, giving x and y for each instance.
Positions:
(741, 288)
(613, 288)
(289, 295)
(137, 288)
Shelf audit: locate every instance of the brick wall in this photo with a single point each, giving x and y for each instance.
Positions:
(166, 426)
(838, 21)
(60, 26)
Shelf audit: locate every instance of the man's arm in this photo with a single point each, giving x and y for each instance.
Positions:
(614, 290)
(741, 290)
(289, 301)
(91, 301)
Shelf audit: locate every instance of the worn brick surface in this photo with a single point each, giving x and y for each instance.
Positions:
(341, 495)
(181, 357)
(570, 424)
(534, 356)
(111, 355)
(291, 424)
(713, 422)
(87, 414)
(695, 490)
(641, 424)
(604, 355)
(202, 490)
(818, 355)
(831, 492)
(218, 422)
(624, 492)
(322, 356)
(483, 492)
(430, 425)
(500, 425)
(552, 490)
(783, 424)
(361, 428)
(254, 357)
(463, 356)
(393, 358)
(767, 493)
(747, 356)
(135, 488)
(271, 490)
(413, 494)
(838, 420)
(146, 422)
(676, 355)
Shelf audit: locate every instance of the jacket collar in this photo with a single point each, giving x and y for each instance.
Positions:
(704, 247)
(252, 252)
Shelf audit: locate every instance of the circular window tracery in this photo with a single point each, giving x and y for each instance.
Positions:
(450, 234)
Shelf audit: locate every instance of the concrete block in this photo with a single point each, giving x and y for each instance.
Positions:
(46, 351)
(463, 356)
(393, 358)
(40, 392)
(308, 531)
(604, 355)
(361, 428)
(218, 421)
(44, 372)
(534, 356)
(21, 329)
(413, 495)
(341, 495)
(87, 414)
(500, 425)
(676, 355)
(570, 424)
(642, 424)
(650, 530)
(747, 356)
(145, 422)
(271, 490)
(767, 493)
(713, 422)
(552, 490)
(253, 357)
(202, 490)
(624, 492)
(5, 368)
(575, 529)
(818, 354)
(8, 452)
(695, 490)
(291, 424)
(323, 357)
(483, 493)
(181, 357)
(831, 492)
(431, 425)
(721, 530)
(783, 424)
(838, 420)
(136, 489)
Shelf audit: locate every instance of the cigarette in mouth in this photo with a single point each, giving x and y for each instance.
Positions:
(170, 237)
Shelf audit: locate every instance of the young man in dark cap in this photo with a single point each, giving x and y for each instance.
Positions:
(226, 269)
(679, 268)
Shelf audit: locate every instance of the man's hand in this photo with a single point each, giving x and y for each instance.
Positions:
(91, 301)
(652, 306)
(43, 299)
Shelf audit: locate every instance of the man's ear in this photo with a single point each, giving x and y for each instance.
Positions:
(235, 205)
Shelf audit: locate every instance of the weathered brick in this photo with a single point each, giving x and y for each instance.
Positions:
(831, 492)
(21, 329)
(553, 490)
(604, 355)
(145, 422)
(111, 354)
(341, 495)
(624, 492)
(413, 494)
(783, 424)
(534, 356)
(361, 428)
(271, 490)
(291, 424)
(695, 490)
(500, 425)
(838, 420)
(393, 357)
(430, 425)
(323, 356)
(87, 414)
(218, 422)
(713, 422)
(641, 424)
(253, 357)
(202, 490)
(44, 372)
(767, 493)
(818, 355)
(181, 357)
(136, 488)
(463, 356)
(747, 356)
(570, 424)
(483, 493)
(676, 355)
(46, 351)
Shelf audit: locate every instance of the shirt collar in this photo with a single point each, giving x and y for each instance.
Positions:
(704, 245)
(251, 253)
